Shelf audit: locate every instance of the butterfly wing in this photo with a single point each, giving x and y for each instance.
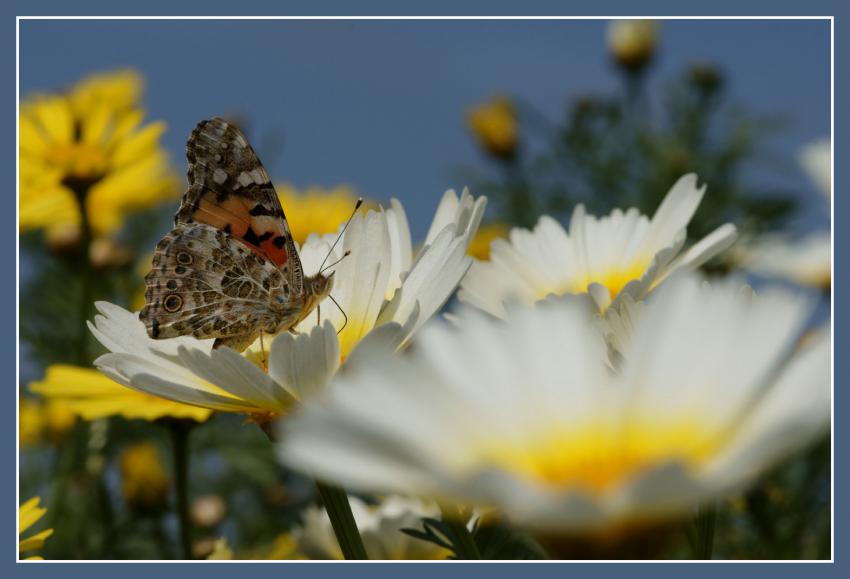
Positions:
(206, 284)
(230, 190)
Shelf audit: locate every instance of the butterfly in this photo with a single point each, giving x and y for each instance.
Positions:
(229, 268)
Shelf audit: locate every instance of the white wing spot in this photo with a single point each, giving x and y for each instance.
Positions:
(219, 176)
(244, 179)
(259, 176)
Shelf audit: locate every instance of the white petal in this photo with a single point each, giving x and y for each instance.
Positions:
(305, 364)
(709, 246)
(794, 412)
(464, 213)
(429, 284)
(674, 213)
(400, 242)
(384, 338)
(141, 374)
(233, 373)
(121, 331)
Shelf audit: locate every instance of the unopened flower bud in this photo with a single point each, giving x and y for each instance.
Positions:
(632, 42)
(495, 126)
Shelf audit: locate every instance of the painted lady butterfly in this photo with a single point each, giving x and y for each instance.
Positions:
(229, 269)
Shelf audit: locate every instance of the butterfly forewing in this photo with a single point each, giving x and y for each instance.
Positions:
(230, 190)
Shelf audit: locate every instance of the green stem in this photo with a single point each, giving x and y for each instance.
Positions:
(342, 520)
(81, 190)
(705, 523)
(462, 539)
(180, 439)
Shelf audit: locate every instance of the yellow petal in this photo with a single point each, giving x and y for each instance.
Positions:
(119, 90)
(50, 206)
(31, 139)
(34, 542)
(91, 395)
(30, 513)
(55, 119)
(139, 144)
(95, 125)
(125, 124)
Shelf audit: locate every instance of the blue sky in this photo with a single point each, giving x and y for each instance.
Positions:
(380, 105)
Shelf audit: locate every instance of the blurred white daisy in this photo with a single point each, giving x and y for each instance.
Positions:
(528, 417)
(624, 252)
(816, 159)
(382, 286)
(805, 261)
(380, 527)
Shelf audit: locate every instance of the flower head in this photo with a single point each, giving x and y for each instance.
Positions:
(386, 291)
(495, 126)
(89, 146)
(28, 515)
(380, 527)
(531, 417)
(624, 252)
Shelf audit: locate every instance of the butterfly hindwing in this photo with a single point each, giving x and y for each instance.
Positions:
(230, 190)
(206, 284)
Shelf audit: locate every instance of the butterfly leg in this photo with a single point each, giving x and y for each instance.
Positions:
(318, 315)
(263, 354)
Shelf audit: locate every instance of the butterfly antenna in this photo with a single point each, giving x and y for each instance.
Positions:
(338, 237)
(330, 265)
(342, 311)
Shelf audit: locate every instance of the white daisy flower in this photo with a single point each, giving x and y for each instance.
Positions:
(805, 261)
(386, 290)
(527, 416)
(380, 527)
(620, 253)
(816, 159)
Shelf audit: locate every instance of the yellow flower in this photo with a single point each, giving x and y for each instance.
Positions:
(316, 210)
(495, 126)
(284, 547)
(632, 42)
(91, 395)
(30, 422)
(89, 146)
(144, 480)
(28, 515)
(479, 248)
(221, 551)
(44, 421)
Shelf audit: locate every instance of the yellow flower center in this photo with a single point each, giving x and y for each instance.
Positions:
(598, 456)
(351, 335)
(614, 278)
(78, 159)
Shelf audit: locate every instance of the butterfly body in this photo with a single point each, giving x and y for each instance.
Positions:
(229, 268)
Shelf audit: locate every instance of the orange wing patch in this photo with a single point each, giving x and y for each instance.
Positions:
(246, 220)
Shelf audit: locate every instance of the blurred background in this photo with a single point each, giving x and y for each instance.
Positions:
(538, 115)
